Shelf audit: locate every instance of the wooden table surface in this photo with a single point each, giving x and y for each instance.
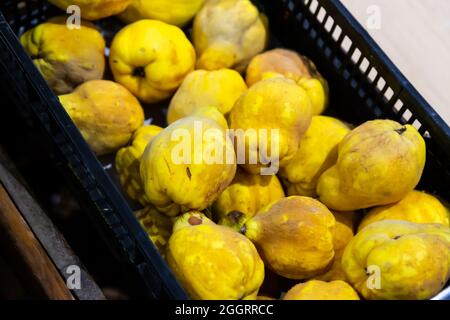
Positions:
(415, 34)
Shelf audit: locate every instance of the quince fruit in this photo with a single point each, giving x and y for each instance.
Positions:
(345, 222)
(157, 225)
(244, 197)
(57, 53)
(94, 9)
(151, 59)
(294, 66)
(128, 162)
(175, 12)
(105, 112)
(277, 107)
(214, 262)
(379, 163)
(395, 259)
(294, 236)
(317, 152)
(416, 206)
(320, 290)
(212, 113)
(187, 165)
(227, 34)
(201, 88)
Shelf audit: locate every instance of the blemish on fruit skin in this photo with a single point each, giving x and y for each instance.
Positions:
(235, 216)
(188, 172)
(401, 130)
(194, 221)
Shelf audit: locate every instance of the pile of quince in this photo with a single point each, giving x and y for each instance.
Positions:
(320, 210)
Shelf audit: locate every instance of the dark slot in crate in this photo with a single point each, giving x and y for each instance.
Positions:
(364, 84)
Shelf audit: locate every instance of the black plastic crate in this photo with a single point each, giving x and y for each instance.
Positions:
(364, 84)
(37, 109)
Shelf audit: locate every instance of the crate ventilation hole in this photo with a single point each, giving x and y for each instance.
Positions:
(359, 61)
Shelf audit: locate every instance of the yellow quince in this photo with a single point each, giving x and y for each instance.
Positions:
(416, 206)
(212, 113)
(128, 162)
(294, 66)
(227, 34)
(214, 262)
(94, 9)
(105, 112)
(317, 152)
(320, 290)
(63, 62)
(379, 163)
(294, 236)
(176, 12)
(244, 197)
(151, 58)
(187, 165)
(201, 88)
(345, 224)
(157, 225)
(278, 108)
(395, 259)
